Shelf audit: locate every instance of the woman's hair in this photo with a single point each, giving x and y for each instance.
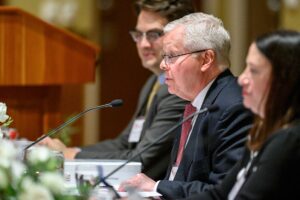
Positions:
(169, 9)
(282, 49)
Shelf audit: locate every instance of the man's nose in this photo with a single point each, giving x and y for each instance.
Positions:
(144, 42)
(163, 65)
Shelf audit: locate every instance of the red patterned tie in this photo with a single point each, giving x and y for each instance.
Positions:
(185, 129)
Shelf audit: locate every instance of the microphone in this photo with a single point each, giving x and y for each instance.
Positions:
(112, 104)
(211, 108)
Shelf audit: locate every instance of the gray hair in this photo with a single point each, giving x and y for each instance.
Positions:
(204, 31)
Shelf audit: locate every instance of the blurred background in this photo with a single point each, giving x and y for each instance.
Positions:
(119, 73)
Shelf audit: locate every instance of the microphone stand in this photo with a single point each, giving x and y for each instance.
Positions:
(102, 179)
(113, 103)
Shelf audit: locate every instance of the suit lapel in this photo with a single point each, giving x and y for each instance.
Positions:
(151, 113)
(152, 110)
(144, 96)
(142, 102)
(196, 139)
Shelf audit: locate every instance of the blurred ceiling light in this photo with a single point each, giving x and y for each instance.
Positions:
(60, 12)
(291, 4)
(48, 10)
(67, 13)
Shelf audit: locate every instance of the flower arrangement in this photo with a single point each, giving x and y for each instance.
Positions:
(36, 178)
(5, 120)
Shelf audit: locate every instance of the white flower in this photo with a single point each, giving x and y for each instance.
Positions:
(7, 150)
(34, 191)
(38, 154)
(19, 182)
(54, 181)
(5, 163)
(27, 183)
(3, 115)
(3, 179)
(17, 169)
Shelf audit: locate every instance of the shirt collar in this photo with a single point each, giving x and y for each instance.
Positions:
(161, 78)
(198, 101)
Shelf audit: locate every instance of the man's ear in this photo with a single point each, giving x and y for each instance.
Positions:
(209, 58)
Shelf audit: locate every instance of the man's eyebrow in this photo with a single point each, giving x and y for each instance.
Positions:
(153, 29)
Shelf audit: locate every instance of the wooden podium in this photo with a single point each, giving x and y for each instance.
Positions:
(36, 61)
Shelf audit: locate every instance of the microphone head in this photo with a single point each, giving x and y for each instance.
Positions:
(212, 108)
(116, 103)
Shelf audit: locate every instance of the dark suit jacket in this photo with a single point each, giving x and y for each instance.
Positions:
(274, 172)
(164, 112)
(215, 144)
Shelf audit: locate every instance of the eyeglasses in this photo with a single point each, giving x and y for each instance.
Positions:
(171, 59)
(150, 35)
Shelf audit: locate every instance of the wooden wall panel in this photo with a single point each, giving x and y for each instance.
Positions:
(41, 53)
(261, 19)
(40, 65)
(34, 110)
(122, 74)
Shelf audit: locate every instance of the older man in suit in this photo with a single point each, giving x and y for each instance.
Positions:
(196, 59)
(157, 110)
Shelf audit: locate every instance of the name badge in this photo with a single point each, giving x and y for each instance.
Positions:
(135, 133)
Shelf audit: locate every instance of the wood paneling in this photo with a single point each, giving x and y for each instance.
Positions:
(34, 110)
(261, 19)
(33, 52)
(38, 64)
(122, 74)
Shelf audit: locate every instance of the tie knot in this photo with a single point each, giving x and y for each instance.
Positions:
(189, 109)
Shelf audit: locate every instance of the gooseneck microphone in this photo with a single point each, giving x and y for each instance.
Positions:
(206, 109)
(112, 104)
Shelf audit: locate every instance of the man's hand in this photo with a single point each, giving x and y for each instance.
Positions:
(139, 181)
(56, 144)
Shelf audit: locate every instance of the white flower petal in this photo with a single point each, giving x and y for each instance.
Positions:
(38, 154)
(3, 115)
(2, 108)
(54, 181)
(36, 192)
(27, 183)
(5, 163)
(7, 149)
(17, 169)
(3, 118)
